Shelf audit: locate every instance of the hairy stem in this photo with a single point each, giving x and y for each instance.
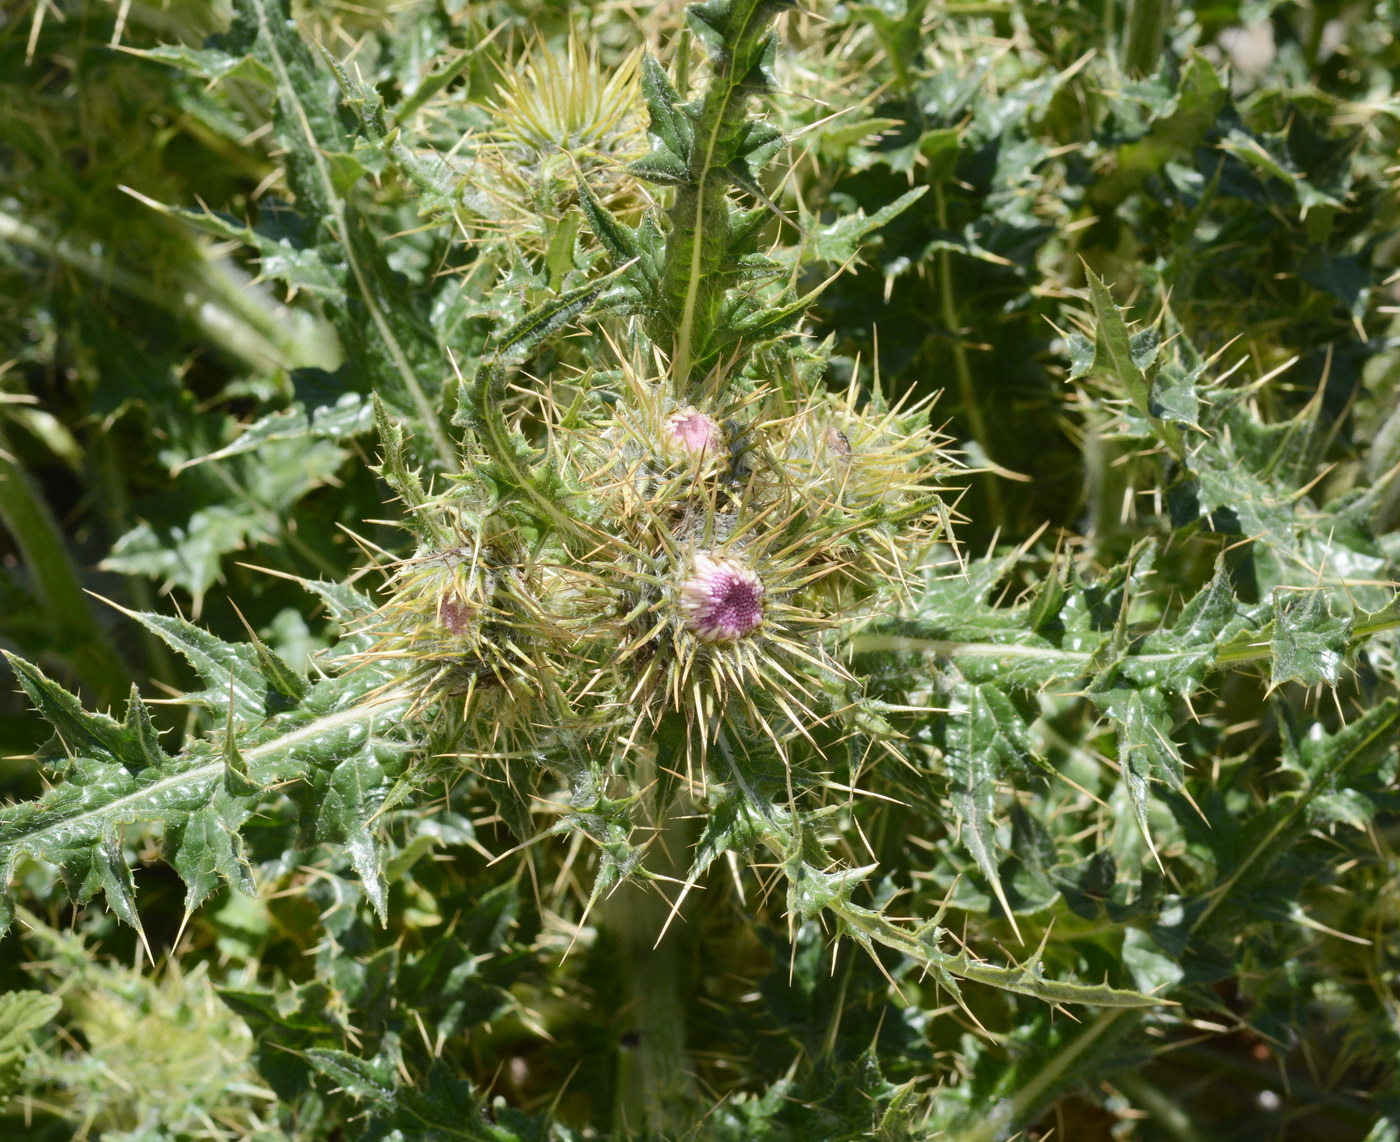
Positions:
(654, 1073)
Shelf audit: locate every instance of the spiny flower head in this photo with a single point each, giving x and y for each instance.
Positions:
(471, 624)
(571, 102)
(438, 600)
(731, 534)
(655, 457)
(853, 457)
(557, 113)
(721, 599)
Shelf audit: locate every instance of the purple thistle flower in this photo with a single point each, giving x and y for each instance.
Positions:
(693, 431)
(722, 600)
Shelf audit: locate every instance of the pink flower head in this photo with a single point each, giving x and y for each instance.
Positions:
(722, 600)
(692, 431)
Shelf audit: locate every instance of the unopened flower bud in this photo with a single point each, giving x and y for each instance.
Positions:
(692, 431)
(722, 600)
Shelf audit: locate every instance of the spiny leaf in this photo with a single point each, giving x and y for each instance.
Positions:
(207, 63)
(545, 319)
(85, 735)
(444, 1107)
(348, 416)
(396, 463)
(669, 123)
(1180, 126)
(237, 780)
(1146, 750)
(1308, 643)
(1027, 979)
(620, 243)
(339, 805)
(230, 672)
(1117, 347)
(338, 738)
(143, 734)
(284, 255)
(840, 240)
(984, 738)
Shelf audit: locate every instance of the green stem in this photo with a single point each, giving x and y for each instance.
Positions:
(696, 246)
(654, 1090)
(1145, 33)
(962, 368)
(1363, 630)
(427, 414)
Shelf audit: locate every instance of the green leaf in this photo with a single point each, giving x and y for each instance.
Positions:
(663, 168)
(1176, 129)
(1146, 751)
(205, 846)
(1308, 643)
(81, 734)
(1174, 395)
(188, 549)
(230, 673)
(620, 242)
(142, 734)
(669, 123)
(339, 738)
(1386, 618)
(1049, 599)
(522, 337)
(339, 806)
(284, 254)
(442, 1108)
(237, 780)
(840, 240)
(984, 739)
(1249, 857)
(21, 1014)
(207, 63)
(1116, 349)
(1082, 356)
(350, 415)
(397, 470)
(385, 329)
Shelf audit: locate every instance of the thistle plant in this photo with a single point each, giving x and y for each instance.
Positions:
(666, 714)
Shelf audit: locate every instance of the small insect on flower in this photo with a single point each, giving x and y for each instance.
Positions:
(722, 599)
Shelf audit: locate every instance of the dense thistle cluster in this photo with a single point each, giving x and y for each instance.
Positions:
(716, 547)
